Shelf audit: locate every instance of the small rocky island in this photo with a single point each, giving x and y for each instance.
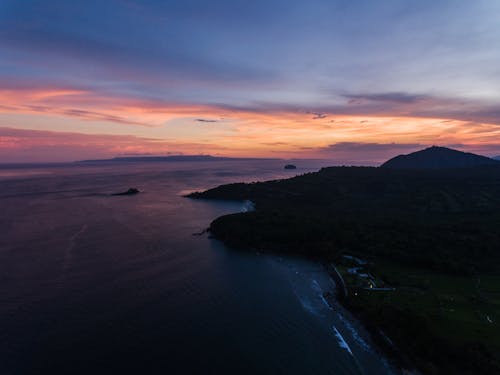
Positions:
(131, 191)
(290, 166)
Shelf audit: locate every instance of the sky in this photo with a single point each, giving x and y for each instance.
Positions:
(351, 81)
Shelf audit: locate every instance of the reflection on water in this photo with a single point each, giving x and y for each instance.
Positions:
(93, 283)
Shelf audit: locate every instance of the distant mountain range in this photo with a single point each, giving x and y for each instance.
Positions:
(439, 157)
(430, 158)
(134, 159)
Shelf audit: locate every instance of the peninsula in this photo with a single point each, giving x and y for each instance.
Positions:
(417, 247)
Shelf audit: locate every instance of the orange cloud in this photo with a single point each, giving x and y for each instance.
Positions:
(24, 145)
(159, 127)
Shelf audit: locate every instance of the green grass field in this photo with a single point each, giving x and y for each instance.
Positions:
(463, 311)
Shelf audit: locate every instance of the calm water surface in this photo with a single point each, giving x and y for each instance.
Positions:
(91, 283)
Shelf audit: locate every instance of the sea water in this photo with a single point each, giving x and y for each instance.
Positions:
(92, 283)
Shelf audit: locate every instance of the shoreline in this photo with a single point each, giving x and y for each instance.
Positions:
(375, 340)
(315, 292)
(335, 299)
(422, 247)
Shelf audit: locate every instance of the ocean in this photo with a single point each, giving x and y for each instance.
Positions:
(92, 283)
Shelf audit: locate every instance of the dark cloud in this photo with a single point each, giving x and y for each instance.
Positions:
(85, 114)
(275, 144)
(391, 97)
(73, 112)
(408, 105)
(318, 116)
(370, 147)
(91, 115)
(465, 111)
(205, 120)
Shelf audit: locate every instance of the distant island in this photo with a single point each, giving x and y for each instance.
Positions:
(415, 241)
(171, 158)
(290, 166)
(131, 191)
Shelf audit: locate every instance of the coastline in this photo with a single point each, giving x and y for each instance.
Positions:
(335, 298)
(374, 339)
(318, 296)
(419, 249)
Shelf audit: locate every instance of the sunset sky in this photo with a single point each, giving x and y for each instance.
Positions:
(351, 81)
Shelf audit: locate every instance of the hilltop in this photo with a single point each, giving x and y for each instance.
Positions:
(437, 158)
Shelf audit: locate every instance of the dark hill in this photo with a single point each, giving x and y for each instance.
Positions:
(437, 158)
(432, 234)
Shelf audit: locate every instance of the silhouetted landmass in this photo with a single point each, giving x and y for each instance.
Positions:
(400, 206)
(172, 158)
(290, 166)
(131, 191)
(437, 158)
(432, 234)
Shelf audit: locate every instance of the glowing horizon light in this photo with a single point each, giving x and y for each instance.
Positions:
(352, 82)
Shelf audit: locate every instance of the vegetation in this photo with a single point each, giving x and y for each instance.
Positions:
(442, 323)
(433, 235)
(439, 157)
